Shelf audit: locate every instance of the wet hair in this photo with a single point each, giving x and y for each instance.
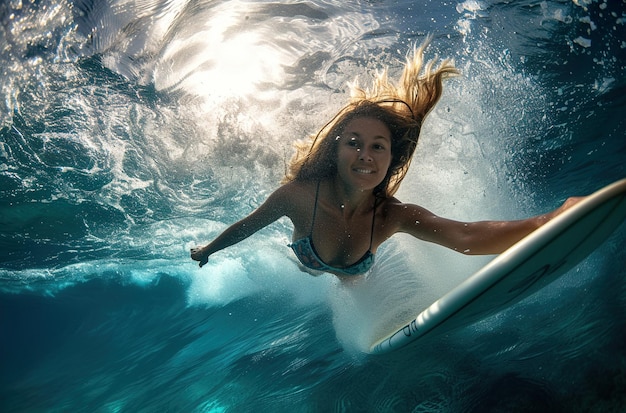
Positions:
(402, 108)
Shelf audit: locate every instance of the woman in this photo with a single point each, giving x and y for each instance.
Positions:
(339, 189)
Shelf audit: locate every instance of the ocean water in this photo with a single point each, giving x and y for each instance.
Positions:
(131, 131)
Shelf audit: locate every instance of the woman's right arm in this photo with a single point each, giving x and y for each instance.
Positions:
(272, 209)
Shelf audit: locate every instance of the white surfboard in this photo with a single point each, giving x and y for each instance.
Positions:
(523, 269)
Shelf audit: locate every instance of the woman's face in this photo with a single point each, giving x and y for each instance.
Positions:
(364, 153)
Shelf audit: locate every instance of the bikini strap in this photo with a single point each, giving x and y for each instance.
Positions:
(373, 221)
(317, 192)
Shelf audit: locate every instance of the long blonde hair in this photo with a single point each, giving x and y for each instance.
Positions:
(402, 108)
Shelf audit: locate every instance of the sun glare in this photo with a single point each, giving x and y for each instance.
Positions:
(220, 60)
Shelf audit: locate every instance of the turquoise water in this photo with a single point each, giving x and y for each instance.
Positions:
(133, 130)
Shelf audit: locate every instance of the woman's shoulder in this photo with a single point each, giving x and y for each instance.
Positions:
(396, 210)
(390, 204)
(294, 192)
(295, 199)
(297, 188)
(396, 204)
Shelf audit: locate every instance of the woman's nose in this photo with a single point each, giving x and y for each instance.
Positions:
(364, 155)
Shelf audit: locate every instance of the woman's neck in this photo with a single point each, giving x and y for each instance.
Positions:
(349, 199)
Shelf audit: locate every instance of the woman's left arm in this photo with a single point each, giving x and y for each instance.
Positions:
(471, 238)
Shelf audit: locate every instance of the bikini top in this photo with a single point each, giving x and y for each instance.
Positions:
(306, 253)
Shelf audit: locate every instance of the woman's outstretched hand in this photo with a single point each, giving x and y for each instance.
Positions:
(569, 202)
(198, 254)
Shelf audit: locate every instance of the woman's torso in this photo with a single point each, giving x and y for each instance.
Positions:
(340, 238)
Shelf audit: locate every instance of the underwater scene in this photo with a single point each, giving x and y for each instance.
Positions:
(133, 130)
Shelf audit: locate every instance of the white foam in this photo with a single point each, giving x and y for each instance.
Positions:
(219, 283)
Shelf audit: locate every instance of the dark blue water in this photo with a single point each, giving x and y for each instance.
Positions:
(133, 130)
